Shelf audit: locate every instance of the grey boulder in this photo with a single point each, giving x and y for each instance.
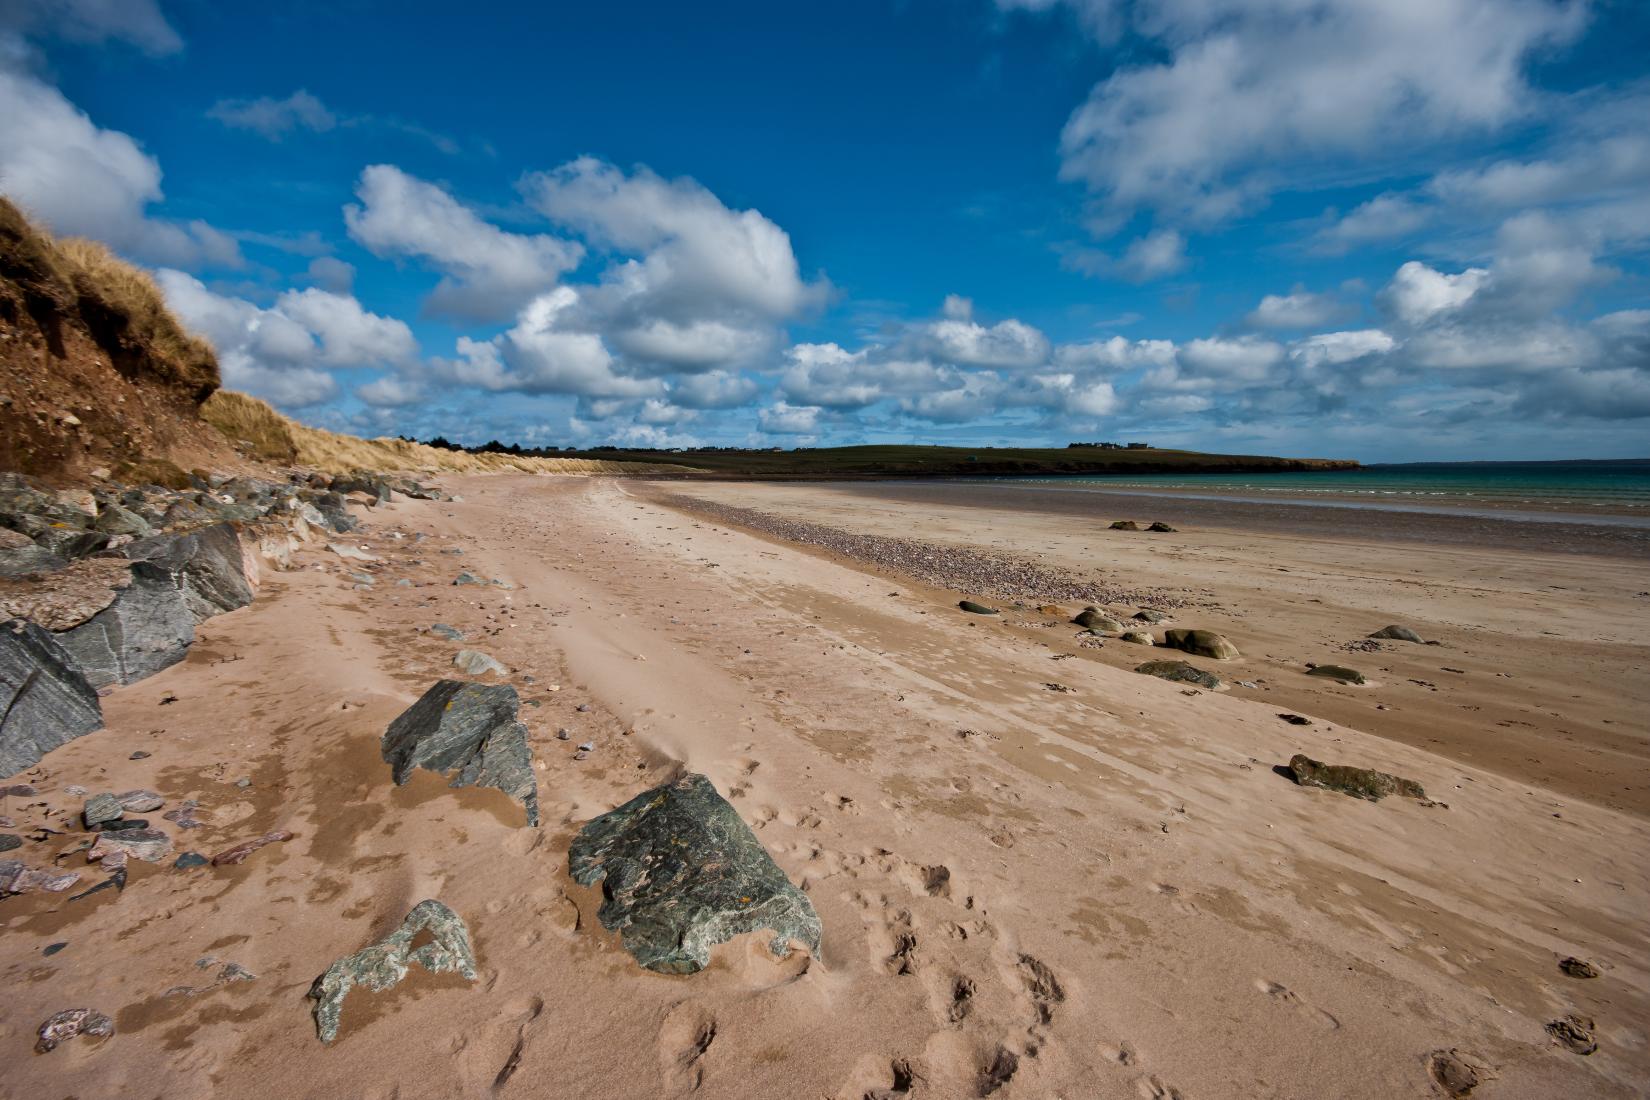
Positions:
(215, 572)
(147, 628)
(477, 663)
(1095, 619)
(469, 731)
(45, 700)
(1397, 634)
(445, 948)
(681, 873)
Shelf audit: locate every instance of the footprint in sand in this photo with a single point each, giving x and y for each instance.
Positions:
(962, 999)
(532, 1010)
(1043, 986)
(685, 1039)
(1283, 993)
(1155, 1088)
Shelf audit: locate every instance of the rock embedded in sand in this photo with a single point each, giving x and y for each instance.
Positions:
(65, 1025)
(976, 608)
(147, 628)
(18, 878)
(681, 872)
(1160, 527)
(446, 948)
(1574, 1033)
(10, 842)
(477, 663)
(1201, 643)
(1147, 615)
(1578, 968)
(470, 731)
(139, 802)
(1398, 634)
(1358, 782)
(451, 633)
(238, 853)
(1338, 672)
(1181, 673)
(1124, 525)
(45, 700)
(1138, 637)
(1095, 619)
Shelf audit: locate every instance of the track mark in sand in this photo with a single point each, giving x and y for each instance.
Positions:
(1283, 993)
(1155, 1088)
(1043, 986)
(513, 1063)
(1123, 1054)
(1001, 1070)
(904, 1080)
(904, 958)
(684, 1040)
(962, 999)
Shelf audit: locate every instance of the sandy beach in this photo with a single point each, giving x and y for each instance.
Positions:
(1039, 873)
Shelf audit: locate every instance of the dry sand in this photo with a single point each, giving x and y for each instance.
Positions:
(1101, 892)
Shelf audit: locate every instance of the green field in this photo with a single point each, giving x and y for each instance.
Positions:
(883, 461)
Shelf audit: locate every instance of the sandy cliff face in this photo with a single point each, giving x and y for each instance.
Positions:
(93, 370)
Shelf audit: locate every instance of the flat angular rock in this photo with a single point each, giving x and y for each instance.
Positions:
(386, 962)
(139, 802)
(1338, 672)
(100, 808)
(148, 627)
(63, 600)
(1097, 620)
(451, 633)
(18, 878)
(681, 873)
(1397, 634)
(477, 663)
(149, 845)
(1181, 673)
(1202, 643)
(1364, 783)
(468, 731)
(25, 559)
(45, 700)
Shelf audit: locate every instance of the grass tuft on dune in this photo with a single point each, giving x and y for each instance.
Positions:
(254, 426)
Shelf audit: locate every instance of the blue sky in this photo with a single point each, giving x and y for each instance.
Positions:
(1383, 229)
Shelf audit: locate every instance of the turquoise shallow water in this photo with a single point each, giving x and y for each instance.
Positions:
(1618, 487)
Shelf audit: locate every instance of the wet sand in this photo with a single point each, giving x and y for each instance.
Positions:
(1104, 891)
(1607, 535)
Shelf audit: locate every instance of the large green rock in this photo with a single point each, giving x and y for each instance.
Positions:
(681, 873)
(446, 948)
(1202, 643)
(469, 731)
(1357, 782)
(1181, 673)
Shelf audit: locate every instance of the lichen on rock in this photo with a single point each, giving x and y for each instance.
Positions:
(383, 964)
(681, 872)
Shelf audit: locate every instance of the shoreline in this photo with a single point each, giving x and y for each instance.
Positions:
(1597, 536)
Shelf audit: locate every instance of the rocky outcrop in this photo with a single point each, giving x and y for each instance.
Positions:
(148, 627)
(215, 571)
(1357, 782)
(467, 731)
(45, 700)
(446, 949)
(1201, 643)
(681, 873)
(1181, 673)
